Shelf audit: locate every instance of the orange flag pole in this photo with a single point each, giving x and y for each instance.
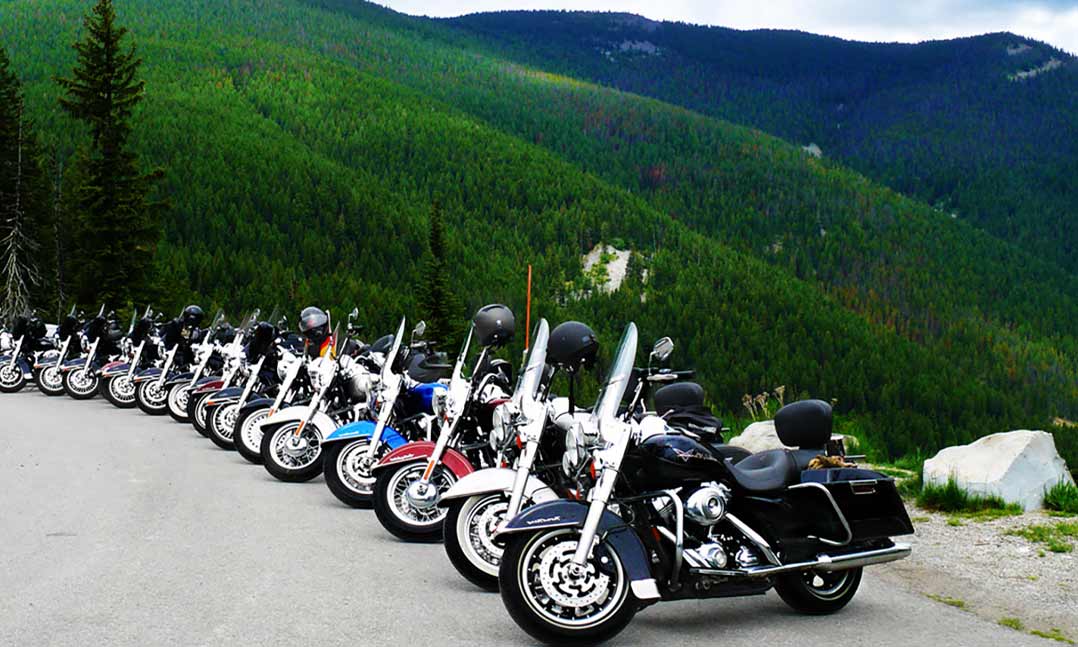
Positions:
(528, 313)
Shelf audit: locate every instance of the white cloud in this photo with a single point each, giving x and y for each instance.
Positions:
(1055, 22)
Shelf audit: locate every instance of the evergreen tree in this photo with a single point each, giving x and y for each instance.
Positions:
(25, 223)
(436, 299)
(118, 227)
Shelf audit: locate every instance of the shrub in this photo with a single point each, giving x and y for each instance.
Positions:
(1063, 497)
(952, 498)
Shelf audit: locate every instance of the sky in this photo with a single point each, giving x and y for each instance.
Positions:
(1051, 21)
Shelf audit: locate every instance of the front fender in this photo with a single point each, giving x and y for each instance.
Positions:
(420, 451)
(257, 403)
(224, 396)
(323, 423)
(44, 360)
(361, 428)
(497, 479)
(147, 374)
(112, 369)
(179, 378)
(208, 385)
(72, 364)
(613, 531)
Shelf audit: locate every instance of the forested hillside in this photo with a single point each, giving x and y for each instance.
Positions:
(304, 146)
(960, 124)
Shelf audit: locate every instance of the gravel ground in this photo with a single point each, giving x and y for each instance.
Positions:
(996, 575)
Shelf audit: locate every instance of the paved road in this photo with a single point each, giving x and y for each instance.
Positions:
(121, 529)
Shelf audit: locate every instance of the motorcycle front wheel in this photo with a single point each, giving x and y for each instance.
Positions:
(818, 593)
(348, 472)
(178, 395)
(81, 384)
(290, 457)
(398, 513)
(247, 434)
(11, 378)
(469, 530)
(221, 423)
(119, 390)
(555, 605)
(196, 412)
(50, 381)
(151, 398)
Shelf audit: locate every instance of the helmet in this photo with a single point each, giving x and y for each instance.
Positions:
(261, 340)
(572, 345)
(494, 325)
(314, 326)
(192, 316)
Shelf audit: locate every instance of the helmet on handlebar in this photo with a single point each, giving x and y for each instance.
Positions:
(192, 316)
(494, 325)
(572, 346)
(314, 326)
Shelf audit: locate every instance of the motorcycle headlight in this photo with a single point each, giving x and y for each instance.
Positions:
(575, 451)
(439, 402)
(500, 425)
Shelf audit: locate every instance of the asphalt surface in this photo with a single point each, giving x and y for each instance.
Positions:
(121, 529)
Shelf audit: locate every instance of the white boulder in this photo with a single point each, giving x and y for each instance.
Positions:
(1017, 466)
(757, 437)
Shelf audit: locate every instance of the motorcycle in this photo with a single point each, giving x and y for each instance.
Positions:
(410, 479)
(668, 518)
(140, 350)
(175, 343)
(292, 437)
(295, 388)
(100, 340)
(232, 367)
(29, 338)
(47, 375)
(407, 386)
(178, 387)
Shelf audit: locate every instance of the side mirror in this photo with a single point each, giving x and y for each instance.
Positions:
(662, 349)
(420, 328)
(354, 313)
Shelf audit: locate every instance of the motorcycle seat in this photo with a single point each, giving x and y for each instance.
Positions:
(733, 452)
(765, 471)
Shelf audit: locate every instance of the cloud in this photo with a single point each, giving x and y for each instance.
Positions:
(1052, 21)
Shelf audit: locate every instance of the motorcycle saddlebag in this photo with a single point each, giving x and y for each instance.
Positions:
(868, 500)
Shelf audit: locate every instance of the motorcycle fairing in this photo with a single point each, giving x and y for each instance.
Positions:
(612, 530)
(497, 479)
(361, 428)
(322, 422)
(421, 451)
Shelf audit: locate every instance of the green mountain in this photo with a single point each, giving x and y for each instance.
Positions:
(306, 141)
(984, 128)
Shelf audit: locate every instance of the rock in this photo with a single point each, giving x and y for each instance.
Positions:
(760, 436)
(1017, 466)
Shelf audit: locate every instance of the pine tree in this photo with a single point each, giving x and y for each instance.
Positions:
(25, 222)
(437, 299)
(118, 226)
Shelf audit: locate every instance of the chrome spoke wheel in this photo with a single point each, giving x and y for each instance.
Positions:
(122, 389)
(52, 379)
(563, 594)
(296, 451)
(82, 382)
(354, 467)
(224, 420)
(153, 394)
(402, 505)
(10, 376)
(250, 433)
(476, 525)
(177, 400)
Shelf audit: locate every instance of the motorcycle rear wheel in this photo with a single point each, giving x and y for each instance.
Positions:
(220, 425)
(11, 378)
(151, 399)
(81, 384)
(469, 537)
(50, 381)
(119, 390)
(818, 594)
(553, 606)
(247, 435)
(397, 515)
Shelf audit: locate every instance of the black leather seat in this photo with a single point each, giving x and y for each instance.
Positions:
(733, 452)
(765, 471)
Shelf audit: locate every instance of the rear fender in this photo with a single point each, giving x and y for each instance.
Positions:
(613, 532)
(323, 423)
(497, 479)
(365, 428)
(421, 451)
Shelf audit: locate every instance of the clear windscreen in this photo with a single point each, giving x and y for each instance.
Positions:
(617, 379)
(387, 368)
(528, 384)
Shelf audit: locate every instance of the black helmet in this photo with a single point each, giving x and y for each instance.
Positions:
(494, 325)
(314, 325)
(192, 316)
(572, 346)
(261, 340)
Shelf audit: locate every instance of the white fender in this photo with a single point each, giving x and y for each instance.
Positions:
(323, 423)
(497, 479)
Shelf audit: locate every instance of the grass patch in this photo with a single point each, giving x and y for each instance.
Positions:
(1012, 623)
(952, 498)
(921, 519)
(951, 602)
(955, 522)
(1052, 634)
(1063, 497)
(1055, 537)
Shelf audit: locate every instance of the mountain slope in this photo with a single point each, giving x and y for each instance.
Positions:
(949, 122)
(305, 148)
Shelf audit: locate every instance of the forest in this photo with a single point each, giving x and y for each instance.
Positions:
(304, 144)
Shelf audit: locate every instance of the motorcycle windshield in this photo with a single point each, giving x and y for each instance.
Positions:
(528, 384)
(606, 407)
(387, 368)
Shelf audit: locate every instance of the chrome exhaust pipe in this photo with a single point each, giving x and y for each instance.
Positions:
(823, 562)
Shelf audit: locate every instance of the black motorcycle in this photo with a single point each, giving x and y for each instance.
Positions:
(669, 518)
(101, 342)
(139, 350)
(177, 341)
(47, 375)
(29, 337)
